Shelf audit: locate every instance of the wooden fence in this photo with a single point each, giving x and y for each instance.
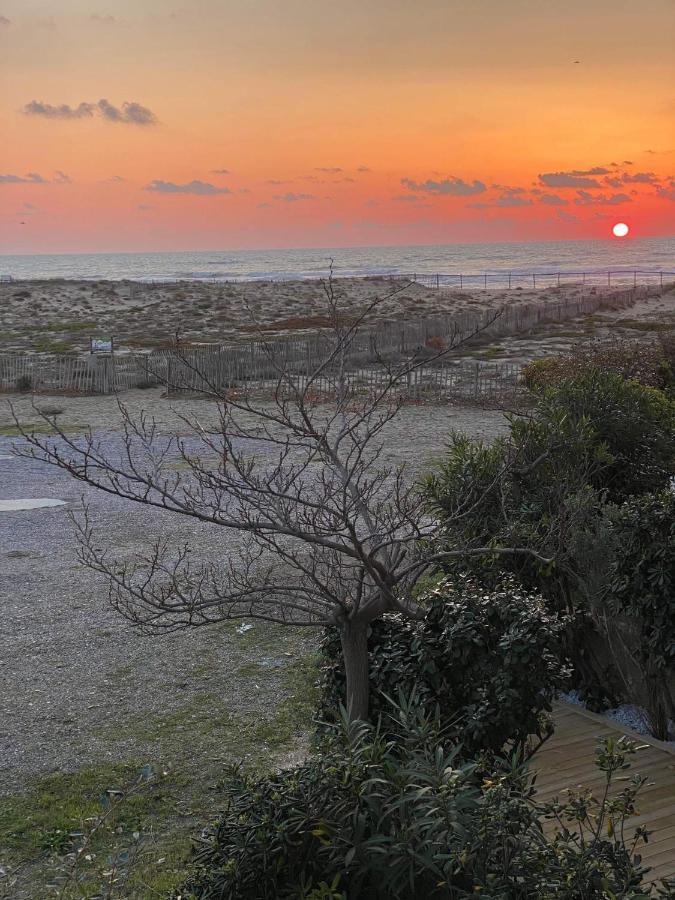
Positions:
(250, 365)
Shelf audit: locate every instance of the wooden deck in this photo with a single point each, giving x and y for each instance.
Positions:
(567, 760)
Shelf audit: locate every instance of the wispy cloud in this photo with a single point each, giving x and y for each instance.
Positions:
(4, 20)
(130, 113)
(565, 216)
(200, 188)
(585, 199)
(506, 201)
(451, 186)
(574, 179)
(115, 179)
(103, 20)
(29, 178)
(61, 177)
(220, 172)
(363, 169)
(292, 197)
(329, 170)
(552, 199)
(62, 111)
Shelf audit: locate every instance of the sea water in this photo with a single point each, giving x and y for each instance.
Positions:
(646, 255)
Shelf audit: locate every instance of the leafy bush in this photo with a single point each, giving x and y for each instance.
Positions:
(634, 425)
(24, 383)
(488, 659)
(642, 590)
(648, 363)
(404, 819)
(595, 438)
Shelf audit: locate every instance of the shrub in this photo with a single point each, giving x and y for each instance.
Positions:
(648, 363)
(595, 438)
(24, 383)
(633, 424)
(381, 819)
(642, 591)
(489, 660)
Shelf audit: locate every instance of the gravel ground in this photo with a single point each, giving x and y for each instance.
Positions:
(78, 684)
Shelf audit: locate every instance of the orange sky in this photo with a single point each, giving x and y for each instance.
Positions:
(339, 124)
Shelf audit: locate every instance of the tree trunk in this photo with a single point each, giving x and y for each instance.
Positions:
(354, 639)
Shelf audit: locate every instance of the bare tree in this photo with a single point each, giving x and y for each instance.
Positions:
(331, 535)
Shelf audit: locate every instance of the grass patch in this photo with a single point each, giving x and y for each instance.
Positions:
(40, 428)
(644, 325)
(49, 345)
(114, 813)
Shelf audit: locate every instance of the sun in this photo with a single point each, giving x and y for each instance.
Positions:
(620, 229)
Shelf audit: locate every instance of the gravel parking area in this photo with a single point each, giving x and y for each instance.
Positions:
(78, 684)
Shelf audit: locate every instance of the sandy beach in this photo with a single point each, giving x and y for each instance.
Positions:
(61, 316)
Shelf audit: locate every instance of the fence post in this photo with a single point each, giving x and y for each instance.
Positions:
(437, 281)
(509, 279)
(609, 279)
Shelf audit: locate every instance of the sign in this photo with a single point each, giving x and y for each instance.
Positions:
(101, 345)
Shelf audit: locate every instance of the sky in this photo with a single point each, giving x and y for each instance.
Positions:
(225, 124)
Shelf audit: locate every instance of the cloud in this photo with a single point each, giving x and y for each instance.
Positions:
(129, 113)
(552, 200)
(292, 197)
(64, 111)
(276, 182)
(264, 206)
(329, 170)
(640, 178)
(103, 20)
(144, 207)
(666, 192)
(363, 169)
(4, 20)
(506, 200)
(30, 178)
(586, 199)
(565, 216)
(200, 188)
(61, 177)
(220, 172)
(453, 187)
(568, 180)
(115, 179)
(406, 198)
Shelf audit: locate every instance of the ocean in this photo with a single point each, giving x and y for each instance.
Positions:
(648, 256)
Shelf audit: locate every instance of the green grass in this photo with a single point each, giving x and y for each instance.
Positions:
(39, 428)
(194, 740)
(60, 813)
(643, 325)
(49, 345)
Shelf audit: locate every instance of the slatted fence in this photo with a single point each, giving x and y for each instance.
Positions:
(253, 365)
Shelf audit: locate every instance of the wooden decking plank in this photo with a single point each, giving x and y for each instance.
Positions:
(568, 761)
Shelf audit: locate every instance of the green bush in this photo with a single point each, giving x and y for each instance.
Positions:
(633, 425)
(595, 439)
(388, 820)
(642, 590)
(490, 661)
(648, 363)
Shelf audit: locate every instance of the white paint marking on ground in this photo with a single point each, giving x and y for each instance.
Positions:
(36, 503)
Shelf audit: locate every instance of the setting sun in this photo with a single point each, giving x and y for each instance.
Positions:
(620, 230)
